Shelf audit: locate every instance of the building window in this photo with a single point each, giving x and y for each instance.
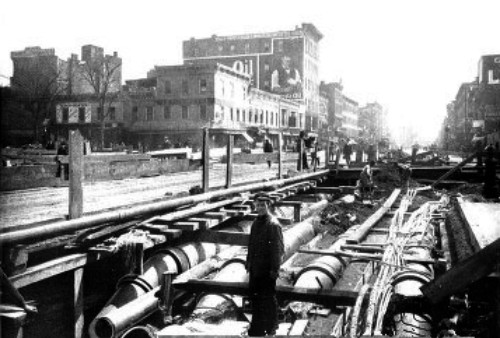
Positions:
(267, 85)
(266, 47)
(185, 87)
(149, 114)
(203, 85)
(185, 113)
(280, 45)
(81, 114)
(232, 114)
(168, 87)
(256, 116)
(112, 113)
(203, 112)
(237, 115)
(267, 117)
(100, 116)
(262, 116)
(65, 115)
(272, 118)
(166, 113)
(135, 113)
(247, 48)
(244, 115)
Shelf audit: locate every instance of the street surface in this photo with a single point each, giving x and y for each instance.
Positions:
(41, 204)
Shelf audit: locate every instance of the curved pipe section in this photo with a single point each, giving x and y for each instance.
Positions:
(408, 283)
(140, 332)
(234, 271)
(130, 287)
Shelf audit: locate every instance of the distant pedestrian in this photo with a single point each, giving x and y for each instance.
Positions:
(268, 148)
(347, 151)
(265, 252)
(366, 180)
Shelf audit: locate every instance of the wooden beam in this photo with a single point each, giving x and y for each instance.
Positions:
(205, 159)
(75, 174)
(185, 226)
(280, 156)
(297, 205)
(470, 270)
(327, 190)
(224, 237)
(78, 302)
(327, 298)
(51, 268)
(221, 216)
(198, 209)
(229, 160)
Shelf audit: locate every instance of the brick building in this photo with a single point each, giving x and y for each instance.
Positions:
(333, 93)
(285, 63)
(372, 122)
(177, 102)
(350, 118)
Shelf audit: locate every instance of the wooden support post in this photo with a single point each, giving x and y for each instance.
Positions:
(327, 154)
(75, 174)
(315, 164)
(280, 156)
(229, 160)
(205, 160)
(78, 302)
(300, 165)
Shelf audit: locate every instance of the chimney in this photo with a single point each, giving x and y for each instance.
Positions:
(115, 54)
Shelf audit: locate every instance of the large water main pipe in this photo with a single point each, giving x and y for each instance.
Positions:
(131, 304)
(176, 259)
(234, 271)
(125, 214)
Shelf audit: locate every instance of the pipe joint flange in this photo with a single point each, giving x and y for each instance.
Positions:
(420, 276)
(233, 260)
(134, 280)
(180, 258)
(325, 269)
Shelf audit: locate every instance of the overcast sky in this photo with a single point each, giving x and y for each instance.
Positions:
(411, 56)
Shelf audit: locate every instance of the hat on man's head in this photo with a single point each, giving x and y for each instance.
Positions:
(262, 198)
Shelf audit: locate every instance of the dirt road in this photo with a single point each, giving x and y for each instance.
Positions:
(36, 205)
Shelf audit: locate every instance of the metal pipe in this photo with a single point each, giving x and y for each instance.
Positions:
(234, 271)
(130, 287)
(124, 214)
(140, 332)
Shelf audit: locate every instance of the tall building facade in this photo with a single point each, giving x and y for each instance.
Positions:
(177, 102)
(372, 122)
(285, 63)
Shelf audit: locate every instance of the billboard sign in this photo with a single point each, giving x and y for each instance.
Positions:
(286, 78)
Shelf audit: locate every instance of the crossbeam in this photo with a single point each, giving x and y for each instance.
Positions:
(327, 298)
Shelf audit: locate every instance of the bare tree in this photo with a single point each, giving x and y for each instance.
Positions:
(37, 83)
(103, 74)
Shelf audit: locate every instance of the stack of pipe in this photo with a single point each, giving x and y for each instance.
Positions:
(234, 271)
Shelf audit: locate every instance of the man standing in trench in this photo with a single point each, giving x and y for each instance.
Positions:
(265, 252)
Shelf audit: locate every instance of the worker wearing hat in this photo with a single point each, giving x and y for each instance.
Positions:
(265, 251)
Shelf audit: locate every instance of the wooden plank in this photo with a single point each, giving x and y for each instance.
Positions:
(205, 223)
(483, 220)
(229, 160)
(327, 190)
(185, 226)
(298, 328)
(280, 156)
(224, 237)
(75, 174)
(470, 270)
(205, 161)
(327, 298)
(221, 216)
(51, 268)
(285, 220)
(78, 302)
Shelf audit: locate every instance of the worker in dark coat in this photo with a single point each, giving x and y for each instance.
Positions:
(268, 148)
(265, 251)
